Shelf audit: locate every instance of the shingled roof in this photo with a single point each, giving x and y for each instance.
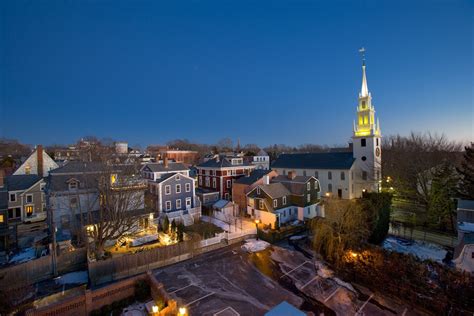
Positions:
(330, 160)
(253, 177)
(223, 162)
(21, 182)
(172, 166)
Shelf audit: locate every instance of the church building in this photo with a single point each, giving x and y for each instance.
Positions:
(344, 174)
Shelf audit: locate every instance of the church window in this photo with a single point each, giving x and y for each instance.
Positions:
(329, 175)
(363, 142)
(364, 158)
(364, 175)
(329, 187)
(343, 175)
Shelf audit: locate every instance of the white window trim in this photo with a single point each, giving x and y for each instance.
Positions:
(308, 198)
(275, 203)
(168, 205)
(178, 188)
(187, 187)
(178, 204)
(29, 195)
(10, 198)
(284, 200)
(260, 204)
(167, 189)
(188, 202)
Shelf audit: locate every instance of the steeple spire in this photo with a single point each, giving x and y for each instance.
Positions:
(364, 91)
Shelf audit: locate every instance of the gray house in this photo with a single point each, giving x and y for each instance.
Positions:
(173, 195)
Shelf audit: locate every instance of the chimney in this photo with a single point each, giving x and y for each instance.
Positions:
(291, 174)
(266, 179)
(39, 160)
(165, 161)
(2, 176)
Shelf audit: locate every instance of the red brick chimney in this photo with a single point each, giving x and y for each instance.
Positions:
(2, 176)
(39, 160)
(291, 174)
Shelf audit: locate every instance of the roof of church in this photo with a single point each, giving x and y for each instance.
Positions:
(329, 160)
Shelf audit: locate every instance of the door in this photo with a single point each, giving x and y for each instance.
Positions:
(339, 193)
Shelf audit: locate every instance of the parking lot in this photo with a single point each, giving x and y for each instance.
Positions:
(232, 282)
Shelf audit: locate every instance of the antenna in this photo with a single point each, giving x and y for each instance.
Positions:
(362, 55)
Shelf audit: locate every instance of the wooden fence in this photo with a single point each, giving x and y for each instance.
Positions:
(41, 269)
(132, 264)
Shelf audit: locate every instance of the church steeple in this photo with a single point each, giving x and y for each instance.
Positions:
(365, 125)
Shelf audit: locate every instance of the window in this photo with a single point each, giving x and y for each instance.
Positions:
(316, 185)
(167, 189)
(329, 175)
(308, 186)
(234, 172)
(284, 200)
(12, 197)
(226, 196)
(208, 182)
(472, 255)
(178, 188)
(284, 213)
(258, 190)
(284, 172)
(168, 205)
(188, 187)
(316, 175)
(2, 218)
(178, 204)
(275, 203)
(29, 198)
(343, 175)
(363, 104)
(364, 158)
(329, 187)
(200, 180)
(73, 202)
(73, 185)
(29, 210)
(364, 175)
(377, 141)
(308, 198)
(14, 212)
(188, 202)
(363, 142)
(214, 182)
(42, 186)
(304, 173)
(229, 183)
(260, 204)
(177, 177)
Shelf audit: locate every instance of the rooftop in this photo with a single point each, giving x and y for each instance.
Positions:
(254, 176)
(223, 162)
(329, 160)
(159, 167)
(21, 182)
(466, 204)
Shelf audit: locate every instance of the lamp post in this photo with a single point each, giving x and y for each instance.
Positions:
(257, 221)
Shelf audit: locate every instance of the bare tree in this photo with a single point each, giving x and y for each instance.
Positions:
(345, 227)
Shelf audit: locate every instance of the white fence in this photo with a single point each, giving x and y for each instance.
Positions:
(227, 237)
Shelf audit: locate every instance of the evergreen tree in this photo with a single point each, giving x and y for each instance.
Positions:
(166, 224)
(467, 173)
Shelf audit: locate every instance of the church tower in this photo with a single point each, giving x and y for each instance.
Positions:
(366, 141)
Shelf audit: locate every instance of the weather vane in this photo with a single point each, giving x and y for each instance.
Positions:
(362, 54)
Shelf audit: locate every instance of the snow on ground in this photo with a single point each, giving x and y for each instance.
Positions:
(419, 249)
(78, 277)
(253, 245)
(24, 256)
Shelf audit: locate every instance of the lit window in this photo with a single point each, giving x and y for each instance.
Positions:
(2, 218)
(113, 178)
(29, 210)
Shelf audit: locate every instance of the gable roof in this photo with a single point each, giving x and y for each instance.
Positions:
(330, 160)
(262, 152)
(221, 203)
(159, 167)
(275, 190)
(21, 182)
(74, 167)
(254, 176)
(296, 186)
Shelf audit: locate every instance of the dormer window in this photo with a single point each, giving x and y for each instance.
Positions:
(73, 185)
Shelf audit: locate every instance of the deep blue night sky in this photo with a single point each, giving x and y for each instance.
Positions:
(262, 71)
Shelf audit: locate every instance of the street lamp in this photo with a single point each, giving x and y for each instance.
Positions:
(154, 309)
(257, 221)
(182, 311)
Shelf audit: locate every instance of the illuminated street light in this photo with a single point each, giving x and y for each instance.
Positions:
(182, 311)
(257, 221)
(154, 309)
